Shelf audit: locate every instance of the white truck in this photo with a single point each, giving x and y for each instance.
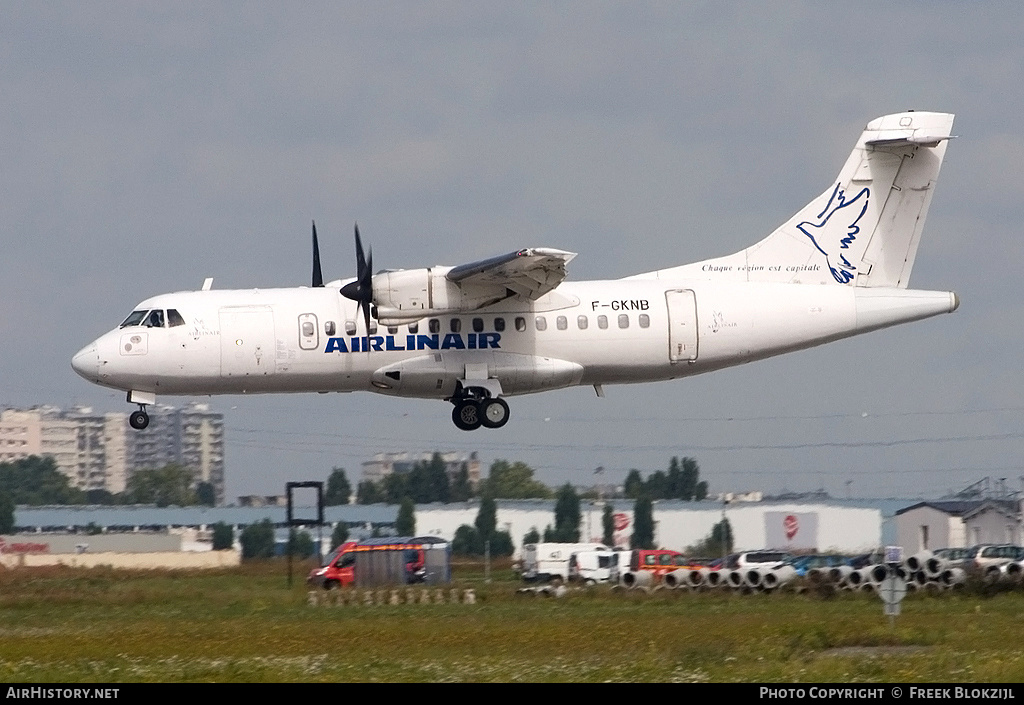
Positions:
(600, 566)
(543, 562)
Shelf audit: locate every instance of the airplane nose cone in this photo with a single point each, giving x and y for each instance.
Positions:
(86, 362)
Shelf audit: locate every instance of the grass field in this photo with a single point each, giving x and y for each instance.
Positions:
(67, 625)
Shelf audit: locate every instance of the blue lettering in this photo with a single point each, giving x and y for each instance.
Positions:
(453, 340)
(488, 340)
(426, 341)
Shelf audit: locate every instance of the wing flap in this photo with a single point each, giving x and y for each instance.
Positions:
(530, 273)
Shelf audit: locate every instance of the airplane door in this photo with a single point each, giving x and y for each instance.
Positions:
(247, 341)
(682, 325)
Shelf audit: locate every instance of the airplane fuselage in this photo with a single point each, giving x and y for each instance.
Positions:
(582, 333)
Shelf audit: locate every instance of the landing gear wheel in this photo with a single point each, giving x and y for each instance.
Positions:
(495, 412)
(138, 420)
(466, 415)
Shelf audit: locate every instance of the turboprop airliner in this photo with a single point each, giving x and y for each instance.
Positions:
(477, 333)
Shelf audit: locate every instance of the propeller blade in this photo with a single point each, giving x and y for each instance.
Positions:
(361, 290)
(318, 275)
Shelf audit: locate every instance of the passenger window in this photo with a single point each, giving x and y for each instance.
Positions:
(434, 325)
(562, 323)
(650, 560)
(602, 321)
(583, 322)
(330, 328)
(392, 329)
(499, 324)
(350, 327)
(307, 329)
(665, 560)
(623, 320)
(456, 325)
(478, 325)
(414, 328)
(155, 319)
(542, 323)
(520, 324)
(174, 318)
(373, 327)
(645, 320)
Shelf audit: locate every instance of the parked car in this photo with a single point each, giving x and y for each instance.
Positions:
(984, 555)
(802, 564)
(751, 559)
(954, 557)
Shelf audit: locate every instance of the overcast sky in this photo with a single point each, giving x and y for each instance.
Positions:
(147, 146)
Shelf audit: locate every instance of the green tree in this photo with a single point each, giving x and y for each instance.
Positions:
(405, 523)
(567, 515)
(657, 485)
(486, 518)
(634, 484)
(300, 544)
(6, 513)
(717, 543)
(532, 536)
(608, 526)
(674, 479)
(701, 491)
(643, 524)
(461, 489)
(514, 481)
(369, 492)
(257, 540)
(206, 495)
(339, 535)
(501, 544)
(166, 486)
(436, 487)
(689, 477)
(466, 542)
(338, 488)
(394, 487)
(36, 480)
(223, 537)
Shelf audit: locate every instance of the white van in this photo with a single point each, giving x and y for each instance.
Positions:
(550, 561)
(592, 567)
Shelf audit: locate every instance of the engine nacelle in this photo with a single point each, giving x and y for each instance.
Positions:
(407, 295)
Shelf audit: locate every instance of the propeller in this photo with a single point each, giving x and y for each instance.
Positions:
(361, 290)
(318, 275)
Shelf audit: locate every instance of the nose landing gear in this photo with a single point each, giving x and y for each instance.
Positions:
(139, 419)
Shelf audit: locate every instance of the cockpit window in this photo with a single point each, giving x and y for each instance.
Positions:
(134, 319)
(155, 319)
(174, 318)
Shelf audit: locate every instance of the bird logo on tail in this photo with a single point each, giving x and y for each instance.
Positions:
(836, 229)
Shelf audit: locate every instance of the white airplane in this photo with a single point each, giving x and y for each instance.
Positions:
(479, 332)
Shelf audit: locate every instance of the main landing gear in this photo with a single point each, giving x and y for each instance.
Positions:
(473, 409)
(139, 419)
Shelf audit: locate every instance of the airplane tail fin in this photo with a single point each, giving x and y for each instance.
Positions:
(865, 228)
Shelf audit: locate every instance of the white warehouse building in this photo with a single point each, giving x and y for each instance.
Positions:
(789, 526)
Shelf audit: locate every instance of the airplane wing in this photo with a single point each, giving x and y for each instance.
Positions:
(531, 273)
